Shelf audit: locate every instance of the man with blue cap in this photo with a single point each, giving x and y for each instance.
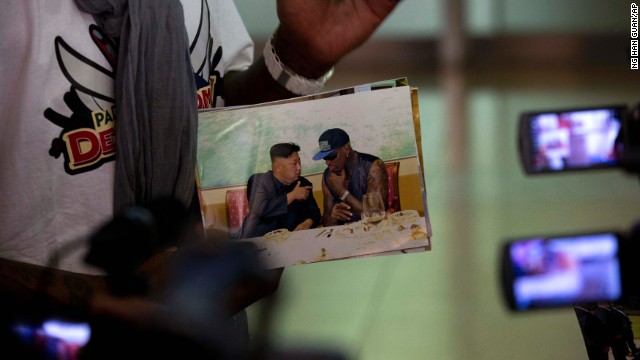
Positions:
(348, 176)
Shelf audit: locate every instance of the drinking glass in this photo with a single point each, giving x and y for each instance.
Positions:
(373, 211)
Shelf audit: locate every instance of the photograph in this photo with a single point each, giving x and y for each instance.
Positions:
(321, 179)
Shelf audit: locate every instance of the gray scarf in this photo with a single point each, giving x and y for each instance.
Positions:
(156, 108)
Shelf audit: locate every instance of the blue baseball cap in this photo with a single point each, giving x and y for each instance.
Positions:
(329, 141)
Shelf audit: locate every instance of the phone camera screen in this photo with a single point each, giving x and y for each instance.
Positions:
(564, 271)
(571, 140)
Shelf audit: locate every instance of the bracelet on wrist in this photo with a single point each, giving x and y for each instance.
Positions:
(344, 196)
(288, 78)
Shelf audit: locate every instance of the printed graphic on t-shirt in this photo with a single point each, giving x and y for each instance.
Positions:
(87, 139)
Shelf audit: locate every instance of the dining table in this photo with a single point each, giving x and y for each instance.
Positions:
(392, 236)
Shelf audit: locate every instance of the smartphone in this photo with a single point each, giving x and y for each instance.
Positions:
(556, 141)
(565, 270)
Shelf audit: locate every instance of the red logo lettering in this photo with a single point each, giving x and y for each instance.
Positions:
(86, 147)
(107, 142)
(83, 147)
(204, 97)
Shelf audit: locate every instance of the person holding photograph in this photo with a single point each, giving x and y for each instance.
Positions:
(280, 198)
(349, 175)
(84, 66)
(72, 95)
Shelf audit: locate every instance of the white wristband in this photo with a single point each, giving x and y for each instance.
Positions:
(344, 196)
(289, 79)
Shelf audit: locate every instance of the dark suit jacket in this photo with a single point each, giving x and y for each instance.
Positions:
(268, 208)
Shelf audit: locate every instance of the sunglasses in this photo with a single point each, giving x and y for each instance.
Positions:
(331, 156)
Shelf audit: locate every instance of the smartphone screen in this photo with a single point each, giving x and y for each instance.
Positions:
(573, 139)
(562, 271)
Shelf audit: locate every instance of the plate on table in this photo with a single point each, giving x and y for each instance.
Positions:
(278, 235)
(404, 217)
(355, 230)
(414, 231)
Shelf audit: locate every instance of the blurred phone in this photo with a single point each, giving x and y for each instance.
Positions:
(556, 271)
(571, 139)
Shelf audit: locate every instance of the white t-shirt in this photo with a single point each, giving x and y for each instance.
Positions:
(57, 117)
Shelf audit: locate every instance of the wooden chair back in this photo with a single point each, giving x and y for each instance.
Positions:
(237, 208)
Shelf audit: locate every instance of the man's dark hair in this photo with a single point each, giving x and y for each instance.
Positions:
(283, 150)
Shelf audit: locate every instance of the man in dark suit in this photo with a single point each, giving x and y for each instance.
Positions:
(280, 198)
